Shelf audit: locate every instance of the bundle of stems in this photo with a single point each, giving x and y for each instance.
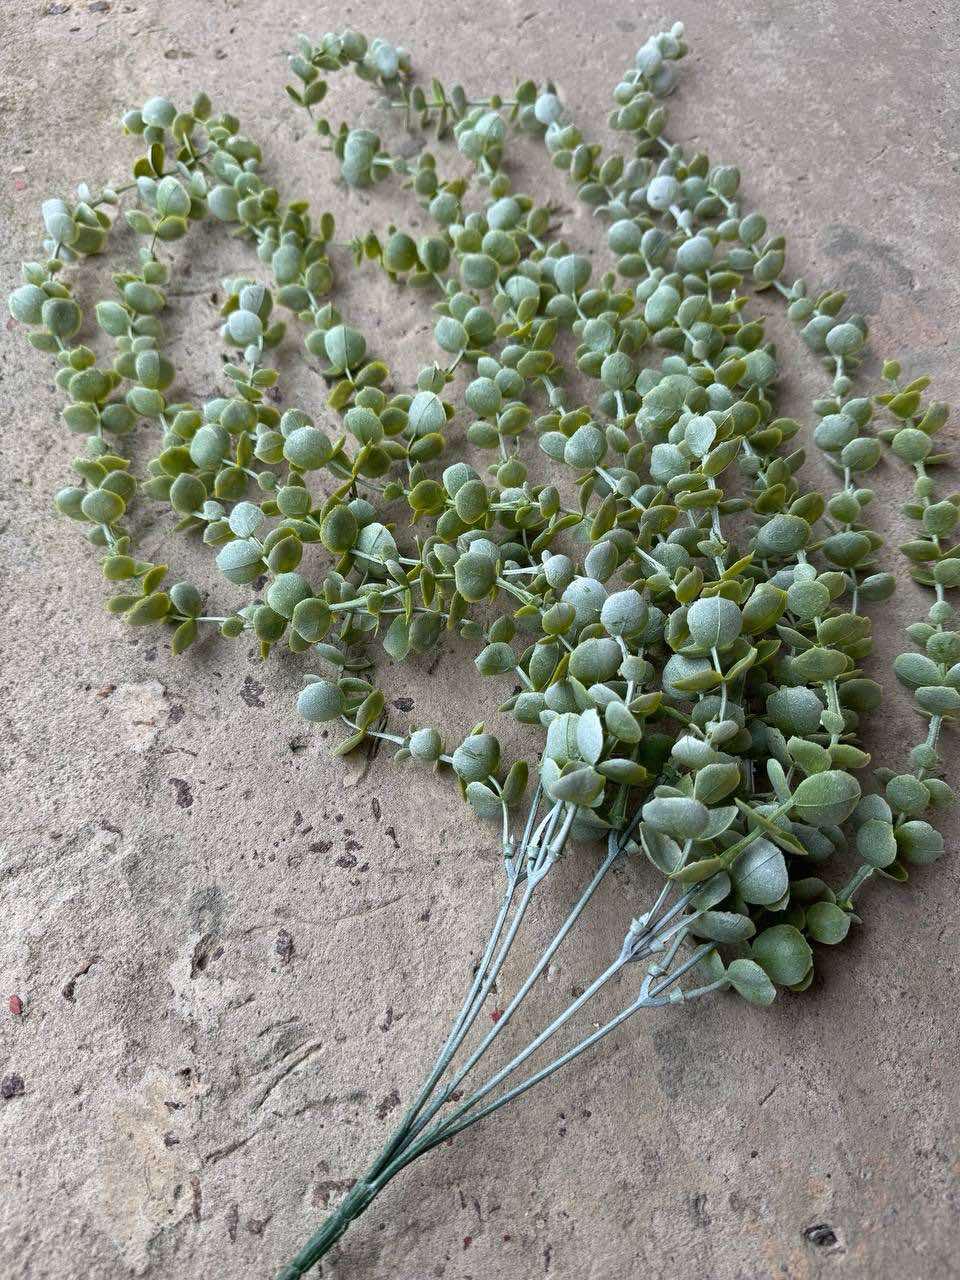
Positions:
(652, 943)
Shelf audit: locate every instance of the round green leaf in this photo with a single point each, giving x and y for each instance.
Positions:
(760, 873)
(679, 816)
(827, 923)
(826, 799)
(320, 701)
(477, 757)
(750, 981)
(783, 953)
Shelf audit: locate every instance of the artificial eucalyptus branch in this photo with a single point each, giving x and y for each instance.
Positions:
(677, 613)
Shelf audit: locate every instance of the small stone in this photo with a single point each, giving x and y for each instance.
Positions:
(822, 1235)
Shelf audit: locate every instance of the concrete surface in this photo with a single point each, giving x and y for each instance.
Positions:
(234, 955)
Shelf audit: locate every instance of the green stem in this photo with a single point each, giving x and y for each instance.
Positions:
(461, 1024)
(614, 851)
(455, 1037)
(404, 1146)
(655, 999)
(355, 1202)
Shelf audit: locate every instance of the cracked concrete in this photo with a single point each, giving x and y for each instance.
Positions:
(231, 955)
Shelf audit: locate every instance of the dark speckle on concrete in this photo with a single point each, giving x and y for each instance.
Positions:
(252, 692)
(11, 1086)
(184, 796)
(284, 946)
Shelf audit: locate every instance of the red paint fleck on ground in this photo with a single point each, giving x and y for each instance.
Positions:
(496, 1015)
(16, 1006)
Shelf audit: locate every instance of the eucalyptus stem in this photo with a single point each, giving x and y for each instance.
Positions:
(514, 858)
(500, 1025)
(410, 1141)
(458, 1030)
(712, 684)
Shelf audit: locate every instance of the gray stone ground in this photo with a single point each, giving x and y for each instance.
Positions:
(194, 1093)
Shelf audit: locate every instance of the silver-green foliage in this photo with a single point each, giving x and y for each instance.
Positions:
(710, 659)
(685, 622)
